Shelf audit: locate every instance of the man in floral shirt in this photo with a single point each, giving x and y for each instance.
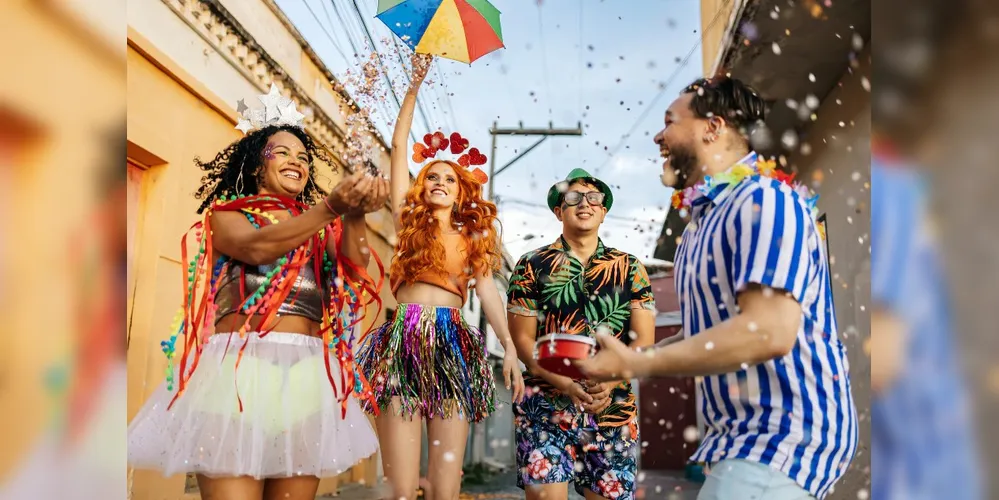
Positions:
(582, 432)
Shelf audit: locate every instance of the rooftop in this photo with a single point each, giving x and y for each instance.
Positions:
(794, 55)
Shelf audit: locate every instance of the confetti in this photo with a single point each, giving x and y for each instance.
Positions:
(690, 434)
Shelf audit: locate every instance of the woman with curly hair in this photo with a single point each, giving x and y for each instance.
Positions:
(272, 295)
(427, 363)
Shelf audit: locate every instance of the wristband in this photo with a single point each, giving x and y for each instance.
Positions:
(326, 202)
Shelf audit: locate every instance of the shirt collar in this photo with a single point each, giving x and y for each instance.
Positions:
(716, 190)
(563, 245)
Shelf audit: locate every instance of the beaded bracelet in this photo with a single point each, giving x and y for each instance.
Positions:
(326, 201)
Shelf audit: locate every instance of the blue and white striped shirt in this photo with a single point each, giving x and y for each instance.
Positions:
(795, 414)
(921, 428)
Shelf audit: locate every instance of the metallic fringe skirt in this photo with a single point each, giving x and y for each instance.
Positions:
(433, 361)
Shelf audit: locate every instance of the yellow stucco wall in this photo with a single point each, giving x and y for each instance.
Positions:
(715, 15)
(171, 119)
(51, 139)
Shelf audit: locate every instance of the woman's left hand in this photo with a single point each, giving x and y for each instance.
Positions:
(511, 373)
(375, 198)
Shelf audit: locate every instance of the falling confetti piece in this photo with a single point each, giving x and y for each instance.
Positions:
(858, 42)
(690, 434)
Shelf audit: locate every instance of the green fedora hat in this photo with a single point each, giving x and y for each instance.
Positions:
(555, 194)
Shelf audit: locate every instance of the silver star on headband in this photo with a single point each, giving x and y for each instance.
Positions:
(277, 110)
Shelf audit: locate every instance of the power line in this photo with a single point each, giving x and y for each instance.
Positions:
(441, 100)
(323, 27)
(381, 66)
(346, 28)
(662, 92)
(579, 66)
(421, 103)
(544, 60)
(402, 62)
(548, 83)
(447, 99)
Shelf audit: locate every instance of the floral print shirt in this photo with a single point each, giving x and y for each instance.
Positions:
(567, 296)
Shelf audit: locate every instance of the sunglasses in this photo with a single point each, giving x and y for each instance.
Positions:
(572, 198)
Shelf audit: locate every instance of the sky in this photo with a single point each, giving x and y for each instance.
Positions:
(611, 65)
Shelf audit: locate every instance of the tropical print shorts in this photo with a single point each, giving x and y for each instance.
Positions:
(557, 443)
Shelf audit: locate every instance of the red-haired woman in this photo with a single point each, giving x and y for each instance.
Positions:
(427, 362)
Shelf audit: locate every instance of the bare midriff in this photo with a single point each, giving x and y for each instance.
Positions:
(427, 295)
(283, 324)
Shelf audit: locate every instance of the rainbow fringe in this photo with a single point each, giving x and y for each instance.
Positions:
(433, 361)
(195, 321)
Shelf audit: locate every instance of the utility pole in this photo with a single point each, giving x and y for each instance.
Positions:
(545, 133)
(495, 131)
(477, 443)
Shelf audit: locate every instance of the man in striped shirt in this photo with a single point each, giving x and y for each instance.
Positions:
(921, 429)
(759, 329)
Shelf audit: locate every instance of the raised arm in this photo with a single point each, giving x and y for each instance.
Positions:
(400, 136)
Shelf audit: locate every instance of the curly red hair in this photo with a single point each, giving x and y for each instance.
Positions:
(420, 249)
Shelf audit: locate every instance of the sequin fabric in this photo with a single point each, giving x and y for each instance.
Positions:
(305, 299)
(433, 361)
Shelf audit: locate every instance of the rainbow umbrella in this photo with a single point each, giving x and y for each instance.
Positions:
(462, 30)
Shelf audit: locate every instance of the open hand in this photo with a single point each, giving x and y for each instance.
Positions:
(421, 66)
(614, 361)
(511, 374)
(374, 199)
(349, 193)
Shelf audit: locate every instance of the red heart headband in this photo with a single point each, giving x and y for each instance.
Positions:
(436, 142)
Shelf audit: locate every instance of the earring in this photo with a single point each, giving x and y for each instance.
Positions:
(239, 179)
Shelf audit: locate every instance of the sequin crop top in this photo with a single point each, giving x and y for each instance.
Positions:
(305, 299)
(456, 280)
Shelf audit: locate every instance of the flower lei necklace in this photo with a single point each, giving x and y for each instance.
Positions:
(683, 199)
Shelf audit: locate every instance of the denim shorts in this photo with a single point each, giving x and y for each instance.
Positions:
(744, 480)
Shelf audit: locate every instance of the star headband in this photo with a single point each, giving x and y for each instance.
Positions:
(277, 110)
(436, 142)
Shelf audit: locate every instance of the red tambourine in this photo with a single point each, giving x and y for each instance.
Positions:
(557, 351)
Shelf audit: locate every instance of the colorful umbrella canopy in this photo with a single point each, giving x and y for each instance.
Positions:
(462, 30)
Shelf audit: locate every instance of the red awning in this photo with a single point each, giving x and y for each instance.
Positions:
(665, 292)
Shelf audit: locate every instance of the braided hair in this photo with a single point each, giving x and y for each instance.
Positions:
(245, 156)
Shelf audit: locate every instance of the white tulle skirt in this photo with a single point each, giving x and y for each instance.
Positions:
(291, 422)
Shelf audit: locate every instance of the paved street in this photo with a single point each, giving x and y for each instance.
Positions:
(502, 486)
